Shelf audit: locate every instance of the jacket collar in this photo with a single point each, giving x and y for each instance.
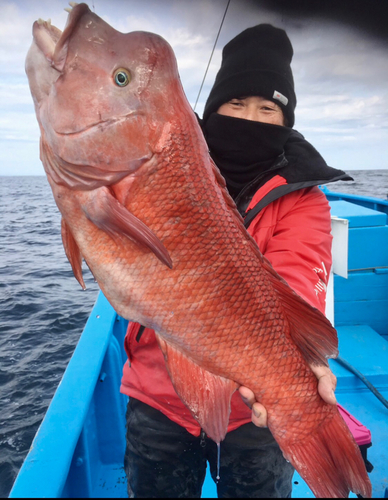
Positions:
(301, 166)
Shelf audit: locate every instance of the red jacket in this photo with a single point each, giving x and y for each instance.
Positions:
(294, 233)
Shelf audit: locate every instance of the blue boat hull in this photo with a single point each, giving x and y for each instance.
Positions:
(79, 448)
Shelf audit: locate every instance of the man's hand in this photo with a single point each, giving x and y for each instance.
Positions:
(327, 383)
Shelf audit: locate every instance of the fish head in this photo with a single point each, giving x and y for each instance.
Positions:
(103, 98)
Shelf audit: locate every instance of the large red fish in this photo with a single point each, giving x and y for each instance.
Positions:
(143, 204)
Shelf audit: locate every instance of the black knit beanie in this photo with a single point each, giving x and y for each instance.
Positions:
(256, 62)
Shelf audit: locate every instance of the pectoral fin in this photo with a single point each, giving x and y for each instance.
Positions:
(206, 395)
(72, 252)
(109, 215)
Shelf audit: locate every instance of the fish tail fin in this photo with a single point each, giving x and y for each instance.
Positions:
(331, 462)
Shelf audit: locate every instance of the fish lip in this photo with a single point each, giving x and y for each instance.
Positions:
(109, 122)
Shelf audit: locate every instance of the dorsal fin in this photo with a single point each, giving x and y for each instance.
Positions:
(310, 330)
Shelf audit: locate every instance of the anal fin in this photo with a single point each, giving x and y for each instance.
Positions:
(73, 253)
(206, 395)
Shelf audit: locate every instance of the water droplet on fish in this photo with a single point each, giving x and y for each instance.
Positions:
(218, 461)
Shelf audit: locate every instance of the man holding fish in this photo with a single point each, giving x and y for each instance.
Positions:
(272, 173)
(224, 306)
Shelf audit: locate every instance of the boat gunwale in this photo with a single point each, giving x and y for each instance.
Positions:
(52, 449)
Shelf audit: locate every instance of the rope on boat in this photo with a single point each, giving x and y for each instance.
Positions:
(211, 55)
(362, 377)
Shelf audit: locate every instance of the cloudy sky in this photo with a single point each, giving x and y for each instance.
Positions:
(340, 66)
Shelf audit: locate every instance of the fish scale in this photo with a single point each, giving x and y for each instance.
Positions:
(144, 205)
(268, 328)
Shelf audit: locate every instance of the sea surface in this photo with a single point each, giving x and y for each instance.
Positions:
(43, 309)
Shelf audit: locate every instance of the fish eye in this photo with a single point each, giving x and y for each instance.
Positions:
(122, 77)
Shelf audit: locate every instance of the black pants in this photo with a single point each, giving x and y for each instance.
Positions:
(163, 460)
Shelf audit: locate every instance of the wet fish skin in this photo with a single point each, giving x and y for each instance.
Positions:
(146, 208)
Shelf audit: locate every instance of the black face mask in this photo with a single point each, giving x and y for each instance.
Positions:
(242, 149)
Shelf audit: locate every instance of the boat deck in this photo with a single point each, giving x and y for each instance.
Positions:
(367, 351)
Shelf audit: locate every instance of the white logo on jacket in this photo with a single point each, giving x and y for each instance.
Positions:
(320, 286)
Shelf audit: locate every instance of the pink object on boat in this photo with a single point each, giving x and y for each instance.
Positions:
(361, 434)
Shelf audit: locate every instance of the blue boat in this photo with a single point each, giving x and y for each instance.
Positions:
(79, 448)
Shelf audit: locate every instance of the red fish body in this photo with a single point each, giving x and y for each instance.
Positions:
(145, 207)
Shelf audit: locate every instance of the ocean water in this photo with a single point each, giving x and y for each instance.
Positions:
(43, 309)
(42, 313)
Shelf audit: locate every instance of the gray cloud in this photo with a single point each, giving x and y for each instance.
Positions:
(340, 65)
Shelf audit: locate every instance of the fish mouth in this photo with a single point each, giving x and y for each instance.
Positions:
(100, 124)
(52, 42)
